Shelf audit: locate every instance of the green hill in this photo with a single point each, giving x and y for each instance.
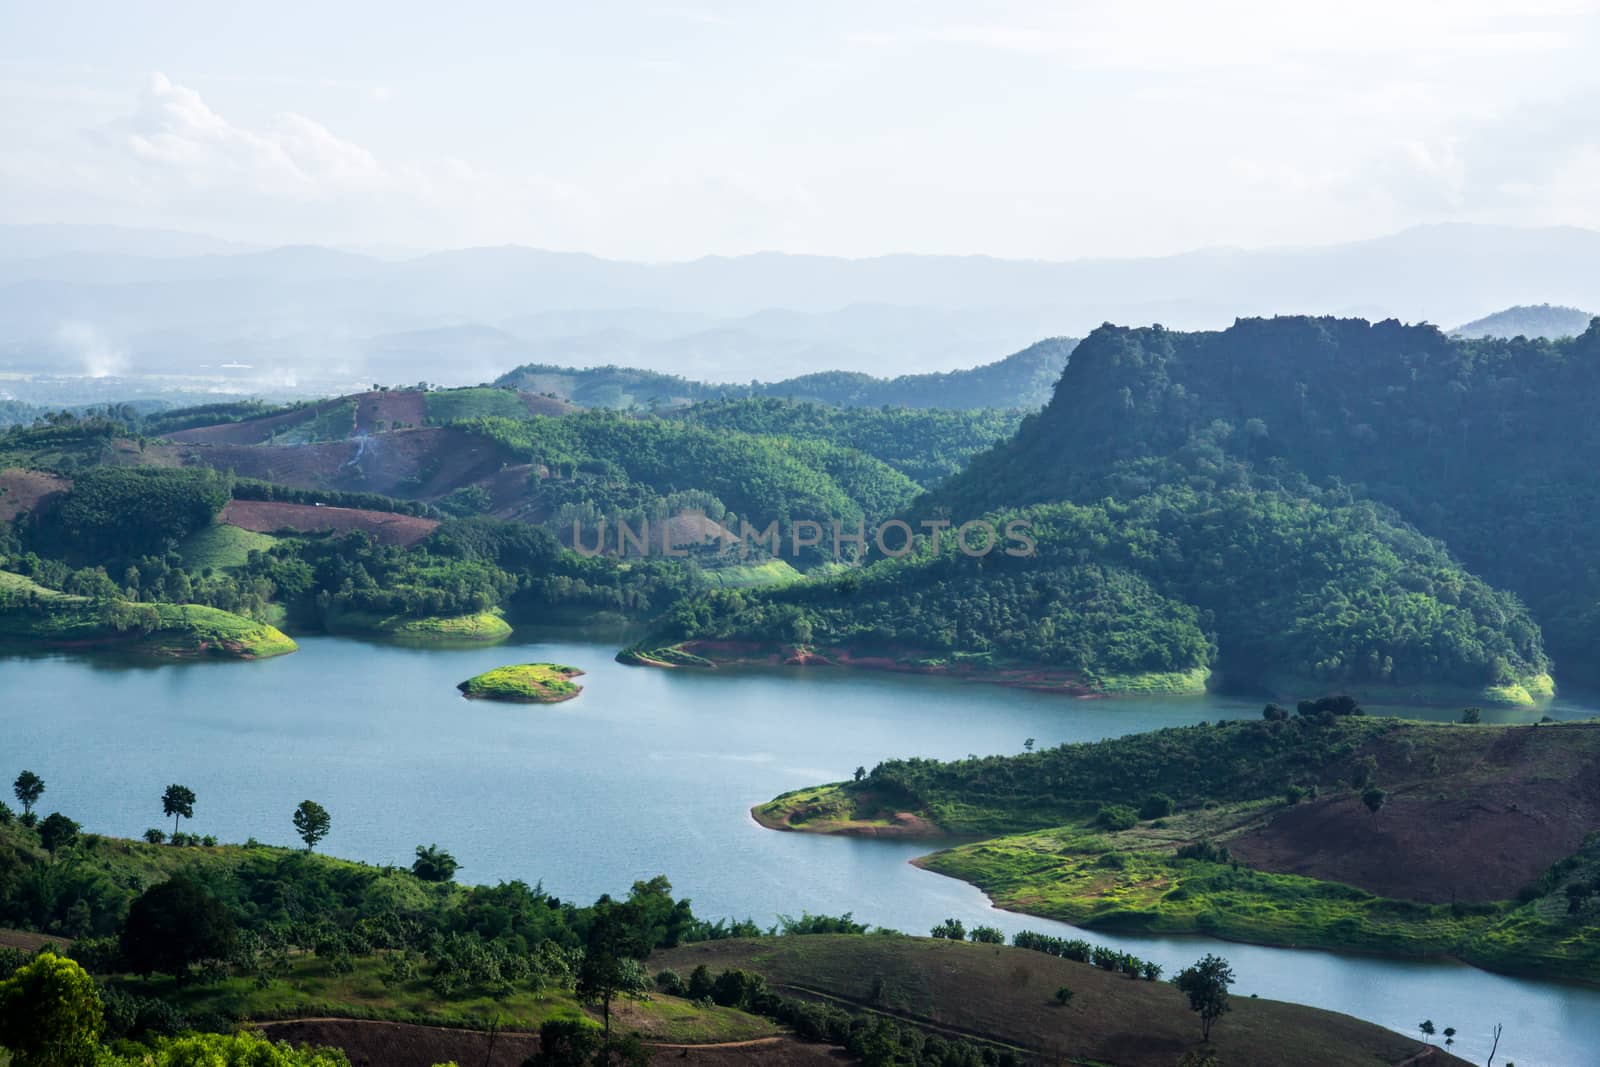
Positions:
(1487, 446)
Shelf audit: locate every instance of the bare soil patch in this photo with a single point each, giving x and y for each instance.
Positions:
(31, 942)
(424, 463)
(387, 408)
(265, 516)
(383, 1044)
(1504, 806)
(23, 491)
(546, 405)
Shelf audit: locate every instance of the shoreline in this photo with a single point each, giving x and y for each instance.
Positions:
(711, 655)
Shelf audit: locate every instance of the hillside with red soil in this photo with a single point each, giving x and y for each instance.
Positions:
(267, 516)
(1504, 805)
(23, 491)
(247, 431)
(421, 463)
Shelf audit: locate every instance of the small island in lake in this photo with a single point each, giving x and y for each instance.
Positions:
(524, 683)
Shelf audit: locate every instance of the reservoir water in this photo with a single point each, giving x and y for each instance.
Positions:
(648, 772)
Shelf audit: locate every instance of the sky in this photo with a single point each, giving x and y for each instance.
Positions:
(664, 131)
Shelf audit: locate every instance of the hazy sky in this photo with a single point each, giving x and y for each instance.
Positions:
(658, 131)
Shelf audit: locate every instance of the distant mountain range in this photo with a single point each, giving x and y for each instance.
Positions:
(1542, 320)
(104, 300)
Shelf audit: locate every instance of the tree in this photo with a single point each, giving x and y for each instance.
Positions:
(1156, 806)
(951, 929)
(1373, 798)
(1206, 983)
(1426, 1026)
(312, 822)
(611, 954)
(1449, 1036)
(28, 787)
(434, 864)
(57, 831)
(1471, 716)
(50, 1014)
(565, 1043)
(1028, 744)
(861, 772)
(173, 925)
(178, 802)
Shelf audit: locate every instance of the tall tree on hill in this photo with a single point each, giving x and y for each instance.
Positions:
(1206, 983)
(312, 822)
(28, 788)
(611, 954)
(178, 802)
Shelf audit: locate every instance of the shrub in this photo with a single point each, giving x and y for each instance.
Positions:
(700, 982)
(1064, 996)
(987, 935)
(155, 836)
(1156, 806)
(1116, 817)
(950, 929)
(672, 984)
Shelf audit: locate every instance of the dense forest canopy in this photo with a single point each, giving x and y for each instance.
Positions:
(1328, 501)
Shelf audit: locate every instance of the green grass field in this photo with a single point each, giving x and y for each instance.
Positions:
(1133, 880)
(452, 404)
(221, 547)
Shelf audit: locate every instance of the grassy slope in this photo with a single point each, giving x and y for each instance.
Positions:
(313, 988)
(221, 546)
(527, 683)
(183, 630)
(449, 405)
(1006, 994)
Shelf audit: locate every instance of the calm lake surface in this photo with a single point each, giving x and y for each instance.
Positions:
(648, 772)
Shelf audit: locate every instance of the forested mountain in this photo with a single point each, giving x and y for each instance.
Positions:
(1542, 320)
(1339, 503)
(1486, 445)
(1022, 380)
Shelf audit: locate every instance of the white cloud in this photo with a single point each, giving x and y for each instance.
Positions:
(177, 136)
